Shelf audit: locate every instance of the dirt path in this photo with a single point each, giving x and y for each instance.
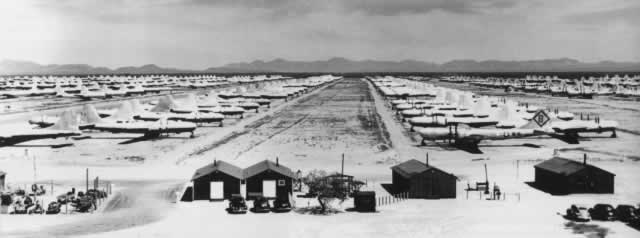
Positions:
(135, 204)
(402, 142)
(340, 118)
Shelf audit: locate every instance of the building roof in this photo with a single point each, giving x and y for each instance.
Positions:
(221, 166)
(267, 165)
(365, 193)
(337, 175)
(412, 167)
(564, 166)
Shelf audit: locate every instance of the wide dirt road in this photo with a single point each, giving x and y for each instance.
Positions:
(313, 132)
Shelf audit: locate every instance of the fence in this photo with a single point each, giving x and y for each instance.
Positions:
(387, 200)
(500, 196)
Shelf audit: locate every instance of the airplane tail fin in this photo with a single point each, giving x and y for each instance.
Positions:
(89, 114)
(190, 101)
(164, 104)
(60, 92)
(136, 106)
(124, 113)
(83, 89)
(67, 121)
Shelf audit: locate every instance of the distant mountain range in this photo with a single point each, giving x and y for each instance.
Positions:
(27, 67)
(335, 65)
(342, 65)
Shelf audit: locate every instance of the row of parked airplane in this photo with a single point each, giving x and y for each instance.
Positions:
(585, 88)
(465, 119)
(98, 87)
(162, 117)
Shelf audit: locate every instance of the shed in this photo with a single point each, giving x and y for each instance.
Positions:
(364, 201)
(216, 181)
(345, 181)
(421, 180)
(268, 179)
(565, 176)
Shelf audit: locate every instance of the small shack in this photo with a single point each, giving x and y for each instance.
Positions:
(421, 180)
(2, 177)
(344, 181)
(268, 179)
(364, 201)
(216, 181)
(565, 176)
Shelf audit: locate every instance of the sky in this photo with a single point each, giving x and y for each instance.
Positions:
(196, 34)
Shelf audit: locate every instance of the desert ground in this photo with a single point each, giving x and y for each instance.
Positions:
(310, 132)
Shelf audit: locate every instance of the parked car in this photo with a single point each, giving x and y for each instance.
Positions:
(237, 205)
(36, 209)
(635, 222)
(281, 205)
(84, 203)
(603, 212)
(261, 205)
(625, 213)
(577, 213)
(53, 208)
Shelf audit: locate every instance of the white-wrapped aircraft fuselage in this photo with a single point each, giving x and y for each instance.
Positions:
(66, 126)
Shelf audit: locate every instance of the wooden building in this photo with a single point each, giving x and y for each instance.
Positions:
(421, 180)
(565, 176)
(268, 179)
(216, 181)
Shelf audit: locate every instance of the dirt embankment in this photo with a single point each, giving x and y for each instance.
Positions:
(136, 203)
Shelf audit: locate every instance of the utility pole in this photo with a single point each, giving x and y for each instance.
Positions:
(87, 180)
(34, 169)
(486, 176)
(342, 170)
(517, 169)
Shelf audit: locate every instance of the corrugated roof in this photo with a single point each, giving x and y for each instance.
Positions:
(412, 167)
(221, 166)
(564, 166)
(267, 165)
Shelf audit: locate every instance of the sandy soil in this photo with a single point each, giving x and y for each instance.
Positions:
(312, 132)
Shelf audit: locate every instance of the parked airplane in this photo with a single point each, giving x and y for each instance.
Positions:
(66, 126)
(123, 122)
(469, 138)
(61, 93)
(86, 94)
(157, 114)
